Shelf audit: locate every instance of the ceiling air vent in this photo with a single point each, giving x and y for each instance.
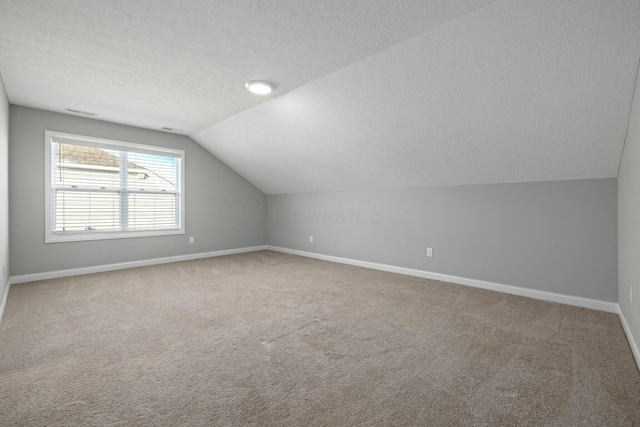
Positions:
(171, 129)
(86, 113)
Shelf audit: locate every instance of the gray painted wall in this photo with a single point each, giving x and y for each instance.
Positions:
(629, 222)
(4, 189)
(223, 210)
(554, 236)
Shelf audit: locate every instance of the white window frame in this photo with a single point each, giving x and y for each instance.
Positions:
(54, 237)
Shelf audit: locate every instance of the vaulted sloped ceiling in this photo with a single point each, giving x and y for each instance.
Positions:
(515, 91)
(183, 63)
(371, 94)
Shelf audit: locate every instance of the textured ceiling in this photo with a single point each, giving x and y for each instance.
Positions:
(370, 93)
(513, 91)
(183, 64)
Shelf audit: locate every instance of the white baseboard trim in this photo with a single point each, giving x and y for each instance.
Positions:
(632, 341)
(132, 264)
(594, 304)
(4, 299)
(610, 307)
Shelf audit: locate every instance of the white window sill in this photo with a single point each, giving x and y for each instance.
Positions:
(88, 236)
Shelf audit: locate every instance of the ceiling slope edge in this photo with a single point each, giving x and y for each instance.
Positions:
(514, 92)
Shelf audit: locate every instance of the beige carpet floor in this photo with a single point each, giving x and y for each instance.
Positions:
(268, 339)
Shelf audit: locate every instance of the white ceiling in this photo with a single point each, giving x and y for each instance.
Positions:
(515, 91)
(371, 94)
(183, 64)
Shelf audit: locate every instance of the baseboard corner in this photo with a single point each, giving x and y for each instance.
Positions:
(5, 297)
(630, 338)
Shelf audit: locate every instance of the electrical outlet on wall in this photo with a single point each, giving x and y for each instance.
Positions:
(192, 239)
(429, 252)
(311, 239)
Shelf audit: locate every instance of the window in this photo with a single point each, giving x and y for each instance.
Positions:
(103, 189)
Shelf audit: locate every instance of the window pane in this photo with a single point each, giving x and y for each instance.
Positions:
(85, 167)
(152, 211)
(107, 189)
(151, 172)
(83, 210)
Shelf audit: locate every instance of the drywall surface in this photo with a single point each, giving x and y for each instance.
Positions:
(223, 210)
(184, 63)
(555, 236)
(516, 91)
(629, 223)
(4, 189)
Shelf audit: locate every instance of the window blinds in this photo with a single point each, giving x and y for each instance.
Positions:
(113, 189)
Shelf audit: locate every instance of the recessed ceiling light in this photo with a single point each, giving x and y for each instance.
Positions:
(259, 87)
